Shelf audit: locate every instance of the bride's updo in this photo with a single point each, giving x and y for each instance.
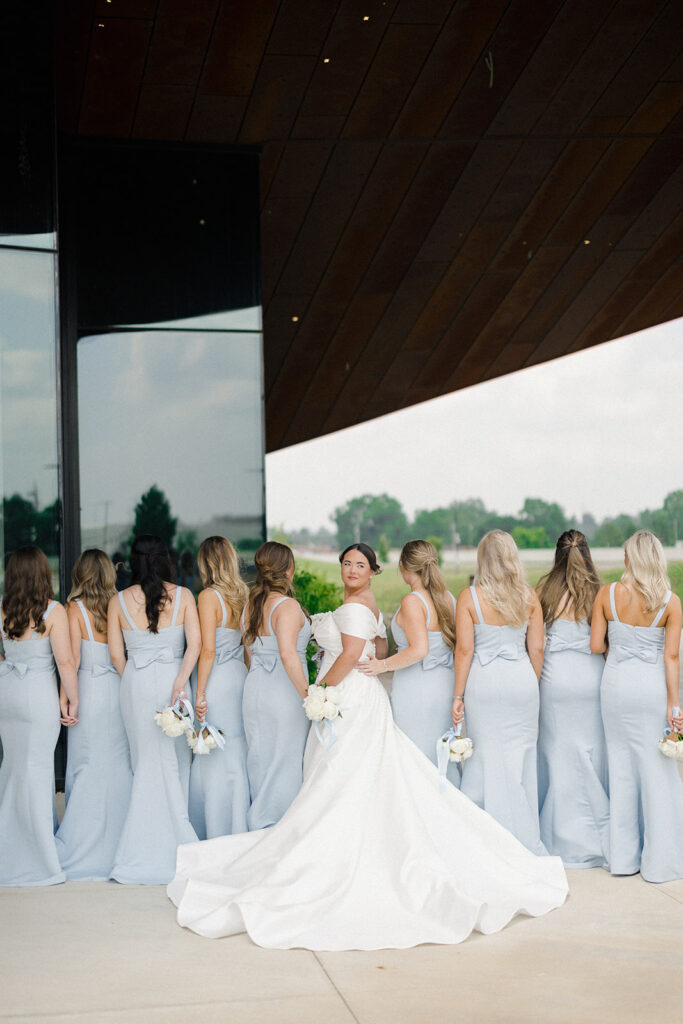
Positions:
(366, 550)
(422, 558)
(273, 562)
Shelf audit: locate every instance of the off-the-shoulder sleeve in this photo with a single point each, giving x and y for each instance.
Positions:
(381, 629)
(356, 620)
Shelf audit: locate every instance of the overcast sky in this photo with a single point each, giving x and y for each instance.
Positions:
(600, 431)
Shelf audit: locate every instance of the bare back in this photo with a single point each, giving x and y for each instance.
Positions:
(135, 603)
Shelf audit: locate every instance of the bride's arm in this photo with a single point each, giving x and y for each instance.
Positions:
(352, 649)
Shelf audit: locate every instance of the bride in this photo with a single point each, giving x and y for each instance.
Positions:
(374, 852)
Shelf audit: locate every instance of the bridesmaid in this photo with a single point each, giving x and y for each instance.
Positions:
(276, 633)
(219, 788)
(35, 635)
(424, 631)
(498, 657)
(98, 774)
(154, 621)
(572, 756)
(642, 621)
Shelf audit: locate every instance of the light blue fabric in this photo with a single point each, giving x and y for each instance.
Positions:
(646, 792)
(422, 694)
(219, 787)
(501, 716)
(29, 729)
(276, 728)
(98, 772)
(157, 819)
(572, 756)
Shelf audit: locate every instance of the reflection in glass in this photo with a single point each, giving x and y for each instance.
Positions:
(45, 240)
(28, 404)
(170, 437)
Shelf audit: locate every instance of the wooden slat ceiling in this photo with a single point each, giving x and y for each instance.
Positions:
(451, 189)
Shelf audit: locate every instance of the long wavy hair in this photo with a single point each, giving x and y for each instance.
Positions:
(219, 568)
(273, 561)
(28, 591)
(150, 567)
(573, 576)
(646, 569)
(422, 558)
(501, 577)
(93, 581)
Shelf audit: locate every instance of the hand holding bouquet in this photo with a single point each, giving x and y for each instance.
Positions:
(671, 743)
(175, 719)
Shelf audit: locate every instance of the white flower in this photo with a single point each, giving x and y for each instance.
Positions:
(314, 707)
(172, 725)
(330, 710)
(460, 749)
(191, 738)
(317, 691)
(332, 694)
(671, 748)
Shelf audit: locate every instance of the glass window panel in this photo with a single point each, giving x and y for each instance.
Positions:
(28, 404)
(180, 411)
(38, 241)
(230, 320)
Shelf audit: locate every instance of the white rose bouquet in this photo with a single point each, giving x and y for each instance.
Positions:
(322, 705)
(205, 738)
(176, 719)
(671, 743)
(452, 746)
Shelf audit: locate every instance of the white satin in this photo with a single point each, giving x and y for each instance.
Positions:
(372, 853)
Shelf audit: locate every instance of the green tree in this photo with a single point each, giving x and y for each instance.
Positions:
(545, 515)
(530, 537)
(438, 544)
(613, 532)
(153, 515)
(47, 528)
(435, 522)
(471, 519)
(367, 517)
(383, 547)
(19, 522)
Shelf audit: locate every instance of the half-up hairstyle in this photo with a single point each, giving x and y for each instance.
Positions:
(366, 550)
(150, 567)
(28, 591)
(646, 569)
(93, 581)
(422, 558)
(219, 568)
(572, 579)
(501, 577)
(273, 561)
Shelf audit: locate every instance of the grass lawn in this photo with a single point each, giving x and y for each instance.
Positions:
(389, 588)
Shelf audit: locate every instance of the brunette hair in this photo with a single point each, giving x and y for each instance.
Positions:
(501, 577)
(150, 567)
(646, 569)
(28, 591)
(573, 575)
(93, 581)
(273, 561)
(366, 550)
(219, 568)
(422, 558)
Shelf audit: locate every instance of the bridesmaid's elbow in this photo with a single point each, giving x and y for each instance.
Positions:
(598, 646)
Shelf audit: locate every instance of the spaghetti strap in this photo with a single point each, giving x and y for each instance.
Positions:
(176, 604)
(414, 593)
(667, 598)
(125, 610)
(225, 614)
(86, 619)
(48, 609)
(455, 603)
(283, 598)
(473, 591)
(612, 603)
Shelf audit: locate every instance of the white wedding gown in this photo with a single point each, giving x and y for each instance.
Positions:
(374, 852)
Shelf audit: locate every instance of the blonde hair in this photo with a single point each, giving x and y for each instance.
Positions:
(422, 558)
(573, 574)
(501, 577)
(273, 561)
(93, 581)
(219, 568)
(646, 569)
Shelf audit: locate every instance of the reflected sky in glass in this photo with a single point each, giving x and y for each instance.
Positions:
(180, 409)
(40, 241)
(230, 320)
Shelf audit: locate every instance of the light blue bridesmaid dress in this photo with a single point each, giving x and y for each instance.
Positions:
(422, 694)
(646, 791)
(29, 729)
(157, 820)
(276, 727)
(572, 756)
(501, 715)
(98, 773)
(219, 787)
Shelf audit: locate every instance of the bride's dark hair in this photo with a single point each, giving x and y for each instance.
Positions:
(150, 567)
(366, 550)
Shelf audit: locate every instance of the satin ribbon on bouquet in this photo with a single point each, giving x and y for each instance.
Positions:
(183, 707)
(443, 752)
(330, 729)
(202, 747)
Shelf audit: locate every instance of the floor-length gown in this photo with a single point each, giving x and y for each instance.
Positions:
(373, 853)
(219, 787)
(157, 820)
(646, 791)
(276, 727)
(98, 772)
(29, 729)
(501, 714)
(573, 791)
(422, 694)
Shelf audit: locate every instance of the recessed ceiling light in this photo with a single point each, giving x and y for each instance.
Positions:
(586, 241)
(326, 60)
(295, 319)
(366, 17)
